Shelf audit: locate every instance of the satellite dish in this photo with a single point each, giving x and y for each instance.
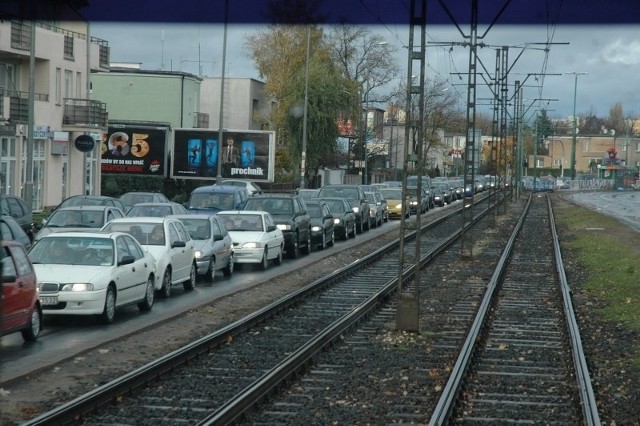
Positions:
(613, 132)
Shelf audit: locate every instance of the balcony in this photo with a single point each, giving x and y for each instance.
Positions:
(84, 113)
(19, 104)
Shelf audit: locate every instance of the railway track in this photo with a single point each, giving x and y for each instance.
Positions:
(523, 361)
(223, 377)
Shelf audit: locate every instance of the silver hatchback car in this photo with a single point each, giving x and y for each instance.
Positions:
(214, 248)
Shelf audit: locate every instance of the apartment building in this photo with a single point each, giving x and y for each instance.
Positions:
(60, 141)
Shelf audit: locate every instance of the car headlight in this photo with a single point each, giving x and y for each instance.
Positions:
(337, 221)
(414, 203)
(398, 206)
(284, 226)
(253, 245)
(315, 228)
(438, 197)
(199, 254)
(356, 209)
(77, 287)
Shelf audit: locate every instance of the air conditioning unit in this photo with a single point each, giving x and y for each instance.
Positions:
(20, 130)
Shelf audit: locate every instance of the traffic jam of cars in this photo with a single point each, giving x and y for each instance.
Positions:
(93, 255)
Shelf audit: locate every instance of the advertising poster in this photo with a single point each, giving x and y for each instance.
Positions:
(131, 149)
(245, 154)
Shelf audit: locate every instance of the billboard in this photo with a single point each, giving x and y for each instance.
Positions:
(134, 149)
(245, 154)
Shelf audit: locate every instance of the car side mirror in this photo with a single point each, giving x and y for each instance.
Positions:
(126, 260)
(217, 237)
(178, 244)
(271, 228)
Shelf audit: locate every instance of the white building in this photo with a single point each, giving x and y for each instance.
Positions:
(63, 54)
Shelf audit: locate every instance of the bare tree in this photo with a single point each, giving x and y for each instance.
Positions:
(363, 57)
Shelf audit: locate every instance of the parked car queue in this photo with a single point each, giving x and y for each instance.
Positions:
(103, 262)
(93, 260)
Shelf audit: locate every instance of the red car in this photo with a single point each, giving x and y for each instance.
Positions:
(20, 306)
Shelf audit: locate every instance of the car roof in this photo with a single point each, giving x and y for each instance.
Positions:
(195, 215)
(156, 203)
(92, 207)
(72, 234)
(239, 212)
(142, 219)
(218, 188)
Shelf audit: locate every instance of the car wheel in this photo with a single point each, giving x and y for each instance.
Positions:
(366, 226)
(307, 248)
(32, 332)
(190, 284)
(294, 250)
(211, 271)
(354, 231)
(228, 270)
(165, 290)
(278, 259)
(109, 312)
(147, 303)
(332, 240)
(359, 228)
(265, 261)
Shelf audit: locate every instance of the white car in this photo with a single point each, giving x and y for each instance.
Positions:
(214, 248)
(92, 273)
(170, 244)
(256, 239)
(252, 188)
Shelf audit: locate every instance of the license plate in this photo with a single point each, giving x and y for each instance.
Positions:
(48, 300)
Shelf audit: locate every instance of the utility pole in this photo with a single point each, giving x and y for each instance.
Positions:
(305, 108)
(408, 311)
(575, 123)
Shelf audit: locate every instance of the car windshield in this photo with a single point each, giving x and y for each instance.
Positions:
(131, 199)
(80, 250)
(242, 222)
(275, 206)
(76, 219)
(153, 211)
(348, 193)
(314, 210)
(336, 206)
(392, 194)
(199, 229)
(222, 201)
(147, 234)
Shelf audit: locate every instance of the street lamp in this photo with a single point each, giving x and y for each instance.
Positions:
(303, 158)
(575, 125)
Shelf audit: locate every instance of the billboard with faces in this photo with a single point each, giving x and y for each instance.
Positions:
(244, 154)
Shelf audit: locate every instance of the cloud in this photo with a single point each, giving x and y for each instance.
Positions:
(622, 52)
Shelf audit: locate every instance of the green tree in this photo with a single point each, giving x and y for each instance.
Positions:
(280, 54)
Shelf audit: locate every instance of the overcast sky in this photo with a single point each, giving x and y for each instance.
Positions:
(608, 54)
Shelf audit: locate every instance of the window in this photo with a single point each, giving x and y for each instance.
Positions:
(68, 83)
(79, 85)
(22, 260)
(7, 164)
(58, 87)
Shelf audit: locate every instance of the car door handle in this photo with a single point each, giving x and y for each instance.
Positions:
(133, 269)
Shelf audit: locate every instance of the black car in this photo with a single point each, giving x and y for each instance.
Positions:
(344, 218)
(12, 231)
(322, 225)
(17, 208)
(354, 194)
(290, 215)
